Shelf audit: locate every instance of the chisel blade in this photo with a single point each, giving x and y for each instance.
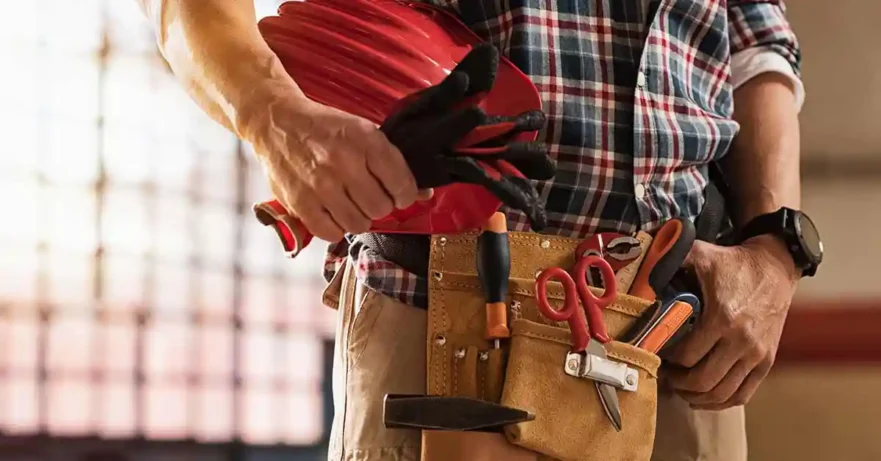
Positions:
(448, 413)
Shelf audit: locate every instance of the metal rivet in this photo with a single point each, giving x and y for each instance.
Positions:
(440, 340)
(630, 380)
(442, 241)
(572, 364)
(484, 356)
(460, 353)
(546, 244)
(437, 275)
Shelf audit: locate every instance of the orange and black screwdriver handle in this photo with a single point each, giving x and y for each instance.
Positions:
(494, 268)
(664, 258)
(668, 325)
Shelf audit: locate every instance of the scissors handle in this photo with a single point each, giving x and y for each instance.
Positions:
(593, 304)
(569, 311)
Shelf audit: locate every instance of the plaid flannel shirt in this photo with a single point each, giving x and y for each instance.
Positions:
(639, 101)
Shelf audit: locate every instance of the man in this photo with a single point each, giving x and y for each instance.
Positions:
(641, 96)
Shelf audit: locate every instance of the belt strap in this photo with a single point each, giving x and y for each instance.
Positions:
(411, 252)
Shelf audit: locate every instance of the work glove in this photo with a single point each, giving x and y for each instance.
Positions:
(446, 138)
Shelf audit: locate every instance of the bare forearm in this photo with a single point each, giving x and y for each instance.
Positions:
(215, 49)
(763, 165)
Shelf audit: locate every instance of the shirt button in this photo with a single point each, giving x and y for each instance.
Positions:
(639, 190)
(640, 79)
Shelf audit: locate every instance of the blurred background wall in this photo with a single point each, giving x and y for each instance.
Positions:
(143, 311)
(138, 299)
(822, 401)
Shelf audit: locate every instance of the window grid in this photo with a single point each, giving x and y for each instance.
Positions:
(138, 296)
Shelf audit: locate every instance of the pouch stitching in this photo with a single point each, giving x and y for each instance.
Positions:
(441, 361)
(522, 239)
(455, 378)
(553, 294)
(433, 312)
(626, 358)
(481, 372)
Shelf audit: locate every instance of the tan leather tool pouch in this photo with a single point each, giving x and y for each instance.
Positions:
(570, 423)
(526, 371)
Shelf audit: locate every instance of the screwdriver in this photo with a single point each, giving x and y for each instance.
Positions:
(494, 268)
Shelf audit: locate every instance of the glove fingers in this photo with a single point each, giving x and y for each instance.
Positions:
(480, 64)
(534, 209)
(434, 100)
(529, 158)
(532, 159)
(488, 132)
(453, 127)
(514, 192)
(532, 120)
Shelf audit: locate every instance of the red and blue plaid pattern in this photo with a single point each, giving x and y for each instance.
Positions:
(639, 101)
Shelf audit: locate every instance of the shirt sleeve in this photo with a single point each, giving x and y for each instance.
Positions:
(762, 40)
(754, 61)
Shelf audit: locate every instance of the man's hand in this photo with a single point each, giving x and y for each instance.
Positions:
(336, 172)
(747, 291)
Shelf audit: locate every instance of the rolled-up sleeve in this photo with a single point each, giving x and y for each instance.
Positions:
(762, 40)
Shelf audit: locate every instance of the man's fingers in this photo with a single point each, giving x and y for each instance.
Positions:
(342, 208)
(693, 347)
(369, 196)
(387, 164)
(710, 372)
(698, 254)
(723, 390)
(319, 222)
(425, 194)
(745, 392)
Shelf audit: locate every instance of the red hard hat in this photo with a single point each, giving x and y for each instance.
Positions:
(364, 56)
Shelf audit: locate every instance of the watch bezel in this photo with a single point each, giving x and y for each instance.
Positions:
(814, 259)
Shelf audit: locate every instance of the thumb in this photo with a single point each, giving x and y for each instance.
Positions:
(698, 253)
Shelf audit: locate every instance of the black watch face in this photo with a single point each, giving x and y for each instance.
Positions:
(809, 236)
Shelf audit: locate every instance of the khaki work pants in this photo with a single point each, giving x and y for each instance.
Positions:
(381, 349)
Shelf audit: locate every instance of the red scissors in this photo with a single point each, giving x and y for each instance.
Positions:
(575, 289)
(589, 331)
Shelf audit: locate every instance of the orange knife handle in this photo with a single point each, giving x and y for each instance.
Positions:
(293, 234)
(667, 326)
(663, 241)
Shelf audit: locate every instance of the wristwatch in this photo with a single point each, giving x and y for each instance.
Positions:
(796, 230)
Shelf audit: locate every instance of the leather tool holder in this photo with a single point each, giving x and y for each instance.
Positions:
(527, 371)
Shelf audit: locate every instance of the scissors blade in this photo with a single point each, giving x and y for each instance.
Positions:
(607, 394)
(596, 348)
(609, 401)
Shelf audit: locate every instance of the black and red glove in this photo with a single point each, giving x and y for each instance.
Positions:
(446, 138)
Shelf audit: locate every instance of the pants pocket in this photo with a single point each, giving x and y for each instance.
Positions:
(383, 353)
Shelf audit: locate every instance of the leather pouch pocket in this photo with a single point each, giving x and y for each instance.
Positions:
(570, 423)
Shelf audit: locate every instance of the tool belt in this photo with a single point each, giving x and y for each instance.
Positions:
(411, 251)
(533, 370)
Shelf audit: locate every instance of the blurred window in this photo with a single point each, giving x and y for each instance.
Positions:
(138, 296)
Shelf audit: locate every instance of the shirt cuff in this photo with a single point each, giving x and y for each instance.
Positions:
(751, 62)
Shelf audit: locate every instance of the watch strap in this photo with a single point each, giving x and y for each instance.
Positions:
(771, 223)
